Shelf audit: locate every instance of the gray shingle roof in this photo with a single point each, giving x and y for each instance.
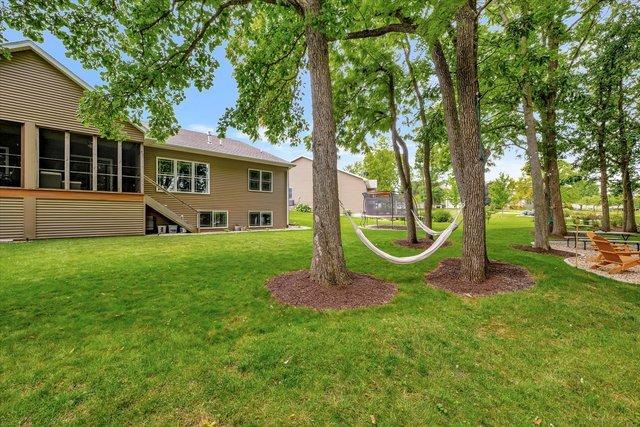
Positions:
(221, 146)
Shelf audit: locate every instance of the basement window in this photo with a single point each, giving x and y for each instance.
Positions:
(213, 219)
(260, 219)
(10, 154)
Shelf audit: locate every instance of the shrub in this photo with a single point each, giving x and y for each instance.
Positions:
(303, 207)
(616, 220)
(441, 215)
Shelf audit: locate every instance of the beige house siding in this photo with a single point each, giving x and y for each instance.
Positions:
(229, 188)
(11, 218)
(38, 95)
(85, 218)
(32, 90)
(350, 188)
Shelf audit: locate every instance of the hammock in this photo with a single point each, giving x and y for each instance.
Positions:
(444, 235)
(424, 226)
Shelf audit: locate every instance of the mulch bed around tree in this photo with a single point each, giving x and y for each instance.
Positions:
(422, 243)
(556, 252)
(501, 278)
(297, 289)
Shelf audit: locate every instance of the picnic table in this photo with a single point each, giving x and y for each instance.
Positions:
(620, 237)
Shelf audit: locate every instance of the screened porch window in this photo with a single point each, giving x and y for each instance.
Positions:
(80, 162)
(107, 165)
(130, 167)
(87, 162)
(10, 154)
(183, 176)
(51, 158)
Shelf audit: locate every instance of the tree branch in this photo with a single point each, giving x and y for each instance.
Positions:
(400, 27)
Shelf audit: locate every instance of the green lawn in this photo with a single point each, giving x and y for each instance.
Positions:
(181, 330)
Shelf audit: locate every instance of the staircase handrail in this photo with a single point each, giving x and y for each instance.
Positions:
(164, 190)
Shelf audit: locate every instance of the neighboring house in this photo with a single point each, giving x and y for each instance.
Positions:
(58, 178)
(350, 186)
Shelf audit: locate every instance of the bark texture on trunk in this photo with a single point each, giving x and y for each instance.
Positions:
(549, 120)
(541, 240)
(402, 162)
(474, 251)
(463, 132)
(602, 166)
(328, 264)
(553, 177)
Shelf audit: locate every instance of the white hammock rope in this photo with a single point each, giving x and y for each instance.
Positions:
(444, 235)
(424, 227)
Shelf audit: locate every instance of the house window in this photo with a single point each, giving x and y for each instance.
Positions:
(213, 219)
(260, 180)
(220, 219)
(130, 167)
(80, 162)
(63, 154)
(182, 176)
(260, 219)
(10, 154)
(51, 159)
(107, 165)
(205, 219)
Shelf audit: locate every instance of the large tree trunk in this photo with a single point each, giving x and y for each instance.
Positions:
(553, 175)
(426, 145)
(549, 118)
(328, 264)
(628, 212)
(463, 132)
(602, 165)
(402, 162)
(541, 239)
(474, 250)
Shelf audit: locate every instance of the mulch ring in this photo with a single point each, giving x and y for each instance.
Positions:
(422, 244)
(298, 290)
(501, 278)
(556, 252)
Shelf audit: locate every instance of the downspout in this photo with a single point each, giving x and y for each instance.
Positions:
(286, 198)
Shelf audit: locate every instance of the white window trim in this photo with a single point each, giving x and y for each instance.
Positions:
(213, 213)
(260, 212)
(249, 181)
(173, 188)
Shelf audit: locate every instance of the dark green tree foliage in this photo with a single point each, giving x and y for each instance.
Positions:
(379, 163)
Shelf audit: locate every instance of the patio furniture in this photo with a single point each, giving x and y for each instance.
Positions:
(621, 258)
(581, 237)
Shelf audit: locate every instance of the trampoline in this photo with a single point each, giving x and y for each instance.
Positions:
(383, 205)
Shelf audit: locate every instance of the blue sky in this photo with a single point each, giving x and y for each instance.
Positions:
(200, 111)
